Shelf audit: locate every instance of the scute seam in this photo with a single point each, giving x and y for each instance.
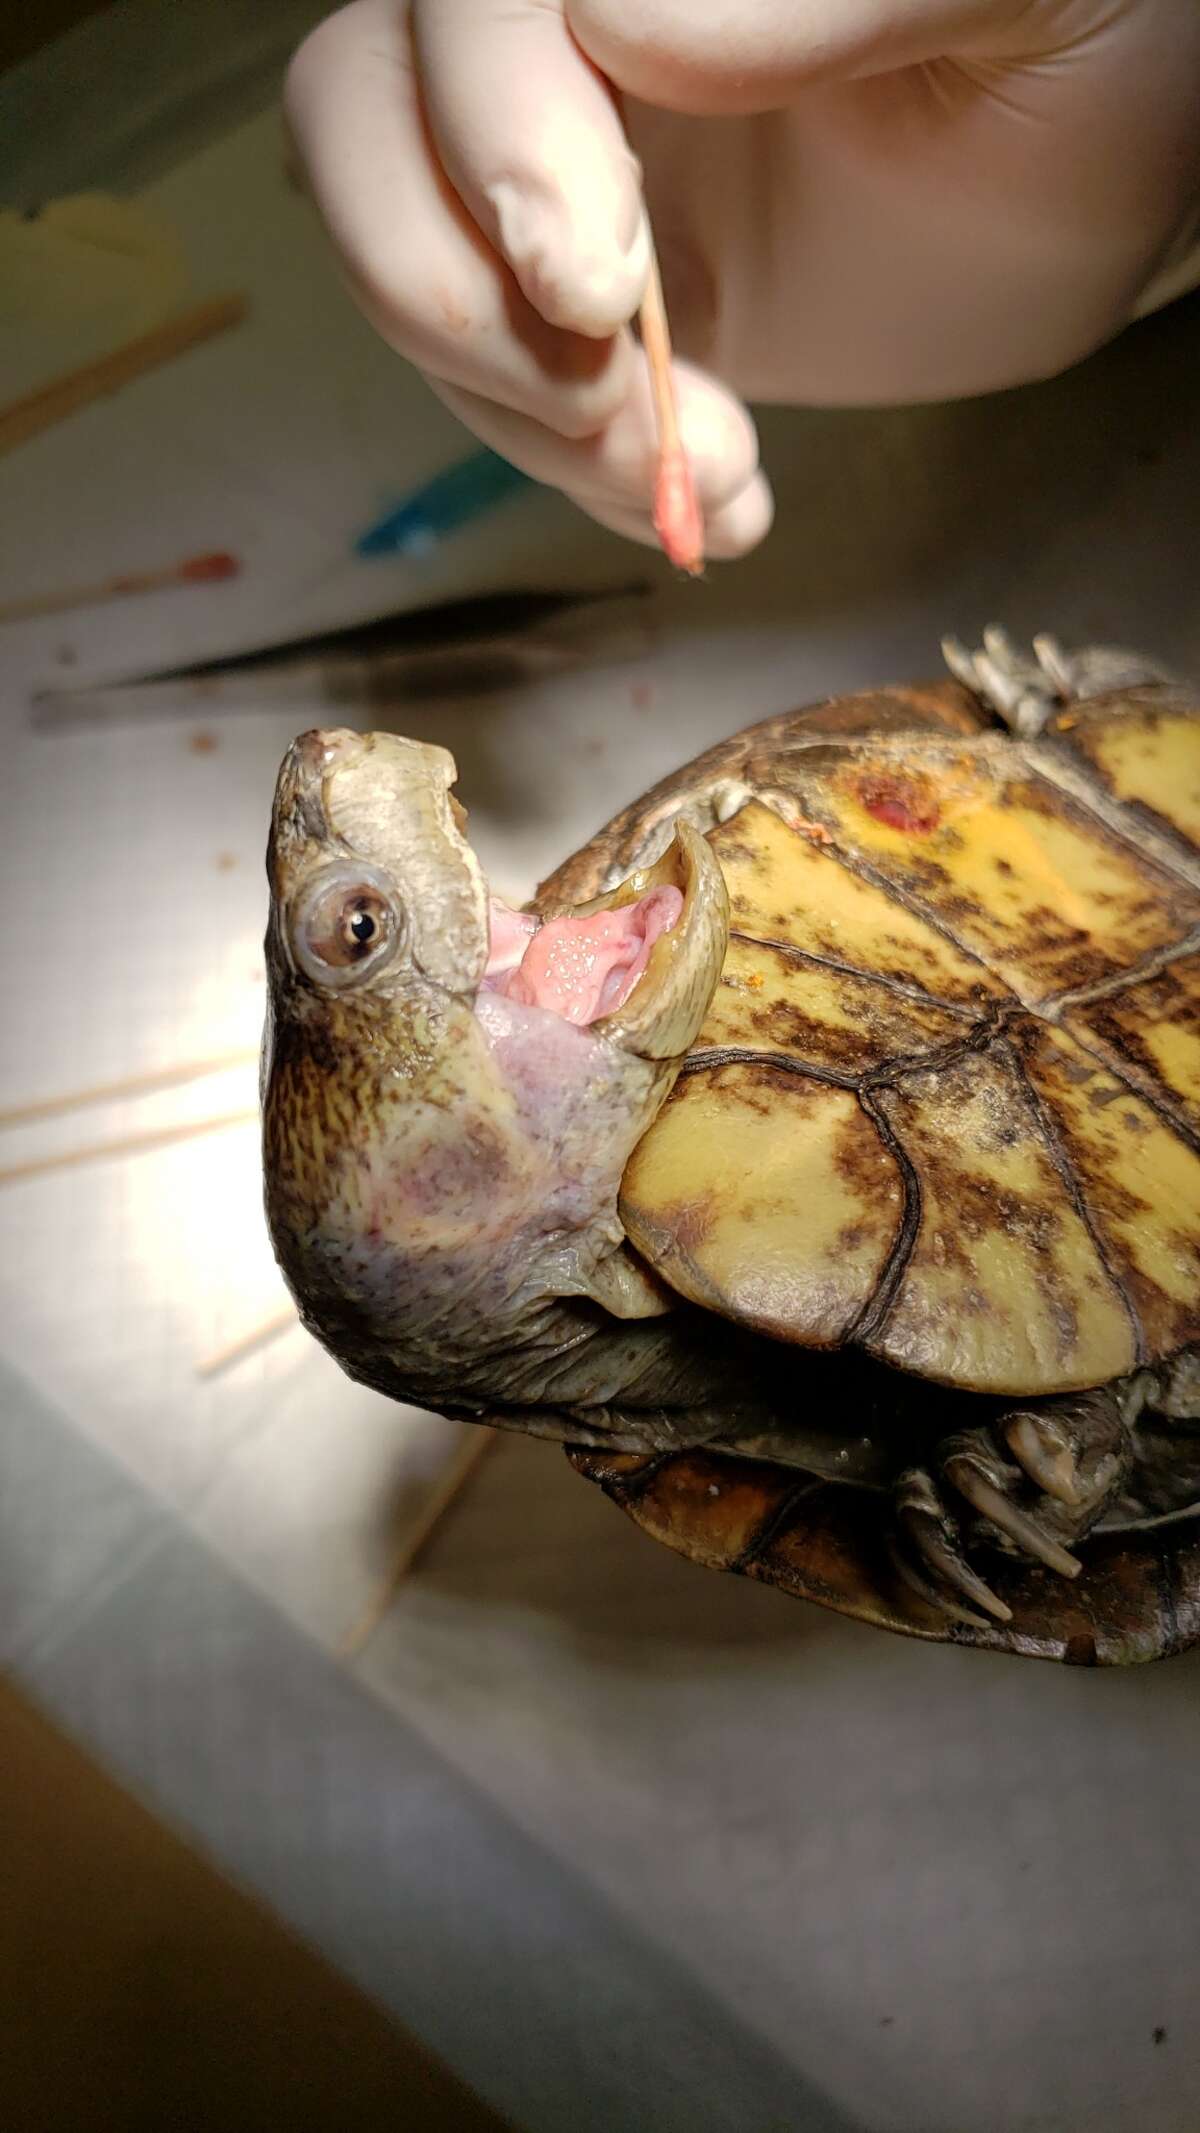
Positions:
(1073, 1186)
(743, 1055)
(1150, 966)
(1139, 1085)
(1060, 765)
(626, 1488)
(775, 1524)
(863, 870)
(899, 988)
(977, 1039)
(878, 1304)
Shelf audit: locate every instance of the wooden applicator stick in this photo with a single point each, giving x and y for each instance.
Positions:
(676, 510)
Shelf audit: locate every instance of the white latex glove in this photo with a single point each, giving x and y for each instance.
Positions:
(854, 201)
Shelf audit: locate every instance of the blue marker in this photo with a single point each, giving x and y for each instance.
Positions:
(456, 496)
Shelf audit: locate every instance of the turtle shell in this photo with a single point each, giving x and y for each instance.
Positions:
(946, 1103)
(946, 1106)
(1137, 1597)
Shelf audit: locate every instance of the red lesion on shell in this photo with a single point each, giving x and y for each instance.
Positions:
(901, 801)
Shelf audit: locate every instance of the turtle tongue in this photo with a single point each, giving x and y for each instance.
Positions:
(578, 968)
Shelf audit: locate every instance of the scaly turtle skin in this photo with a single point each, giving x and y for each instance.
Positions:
(861, 1244)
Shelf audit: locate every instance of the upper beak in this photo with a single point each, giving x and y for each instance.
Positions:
(316, 752)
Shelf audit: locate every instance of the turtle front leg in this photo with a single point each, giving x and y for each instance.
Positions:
(1031, 1483)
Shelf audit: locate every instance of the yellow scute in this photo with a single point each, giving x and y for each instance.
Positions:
(785, 885)
(1153, 758)
(1045, 894)
(766, 1197)
(846, 1025)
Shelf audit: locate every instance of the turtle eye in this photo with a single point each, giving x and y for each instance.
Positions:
(347, 925)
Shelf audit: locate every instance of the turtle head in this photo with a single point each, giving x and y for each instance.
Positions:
(451, 1087)
(375, 894)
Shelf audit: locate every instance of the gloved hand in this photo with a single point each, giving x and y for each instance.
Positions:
(854, 201)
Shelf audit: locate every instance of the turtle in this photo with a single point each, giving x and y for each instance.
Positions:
(816, 1156)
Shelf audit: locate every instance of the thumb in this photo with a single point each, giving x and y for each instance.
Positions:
(729, 61)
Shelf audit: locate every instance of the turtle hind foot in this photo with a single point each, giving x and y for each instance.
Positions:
(1024, 690)
(1021, 690)
(928, 1554)
(1034, 1481)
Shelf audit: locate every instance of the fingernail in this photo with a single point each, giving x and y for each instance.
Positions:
(584, 280)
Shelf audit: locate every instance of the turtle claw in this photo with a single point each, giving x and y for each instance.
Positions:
(1068, 1458)
(960, 662)
(992, 1503)
(1022, 691)
(1077, 1450)
(941, 1572)
(1042, 1447)
(938, 1596)
(1054, 663)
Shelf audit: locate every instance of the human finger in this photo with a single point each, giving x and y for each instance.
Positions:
(617, 465)
(529, 133)
(421, 269)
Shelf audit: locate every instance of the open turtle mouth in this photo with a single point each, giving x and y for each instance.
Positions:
(579, 967)
(636, 965)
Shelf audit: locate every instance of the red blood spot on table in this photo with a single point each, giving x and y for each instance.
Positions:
(209, 569)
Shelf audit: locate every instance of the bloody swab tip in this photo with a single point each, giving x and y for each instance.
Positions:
(676, 513)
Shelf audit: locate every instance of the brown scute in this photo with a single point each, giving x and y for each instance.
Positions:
(1137, 1598)
(1150, 1037)
(1140, 1182)
(712, 1509)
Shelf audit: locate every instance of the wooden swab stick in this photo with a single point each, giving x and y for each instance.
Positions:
(129, 1144)
(676, 510)
(25, 418)
(196, 570)
(104, 1092)
(246, 1343)
(480, 1441)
